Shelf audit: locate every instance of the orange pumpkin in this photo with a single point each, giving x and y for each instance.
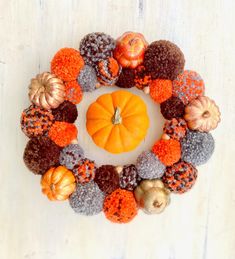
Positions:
(130, 49)
(58, 183)
(117, 122)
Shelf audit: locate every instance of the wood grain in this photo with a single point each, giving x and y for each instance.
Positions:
(197, 225)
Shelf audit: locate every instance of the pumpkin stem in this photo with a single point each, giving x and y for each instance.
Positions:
(52, 187)
(156, 204)
(117, 119)
(206, 114)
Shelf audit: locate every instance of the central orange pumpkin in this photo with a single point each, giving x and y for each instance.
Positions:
(117, 122)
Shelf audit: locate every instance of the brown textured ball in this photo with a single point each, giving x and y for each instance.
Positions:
(126, 78)
(40, 154)
(172, 108)
(163, 60)
(66, 111)
(107, 178)
(129, 177)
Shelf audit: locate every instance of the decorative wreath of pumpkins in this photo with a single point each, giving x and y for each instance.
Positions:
(118, 122)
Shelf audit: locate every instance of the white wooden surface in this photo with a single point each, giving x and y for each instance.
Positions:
(197, 225)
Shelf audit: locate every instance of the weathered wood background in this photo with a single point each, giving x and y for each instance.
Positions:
(197, 225)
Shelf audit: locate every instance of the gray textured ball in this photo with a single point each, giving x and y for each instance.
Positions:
(87, 79)
(149, 166)
(197, 147)
(71, 155)
(87, 199)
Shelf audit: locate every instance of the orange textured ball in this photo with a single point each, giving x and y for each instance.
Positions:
(62, 133)
(160, 90)
(67, 63)
(120, 206)
(73, 92)
(168, 151)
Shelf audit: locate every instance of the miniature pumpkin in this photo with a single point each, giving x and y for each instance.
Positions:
(46, 91)
(130, 49)
(58, 183)
(202, 114)
(152, 196)
(117, 122)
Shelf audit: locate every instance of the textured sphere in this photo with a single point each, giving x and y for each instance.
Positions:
(175, 128)
(66, 111)
(168, 151)
(96, 46)
(36, 121)
(126, 78)
(71, 155)
(84, 170)
(87, 79)
(149, 166)
(129, 177)
(107, 178)
(108, 71)
(120, 206)
(188, 86)
(73, 92)
(41, 154)
(142, 78)
(172, 108)
(197, 147)
(87, 199)
(163, 60)
(180, 177)
(160, 90)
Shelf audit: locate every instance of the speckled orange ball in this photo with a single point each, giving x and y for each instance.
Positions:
(120, 206)
(67, 63)
(160, 90)
(168, 151)
(62, 133)
(73, 92)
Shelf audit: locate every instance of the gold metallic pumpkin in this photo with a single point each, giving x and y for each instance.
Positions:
(202, 114)
(46, 91)
(152, 196)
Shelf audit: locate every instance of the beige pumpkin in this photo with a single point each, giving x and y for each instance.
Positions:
(202, 114)
(46, 91)
(152, 196)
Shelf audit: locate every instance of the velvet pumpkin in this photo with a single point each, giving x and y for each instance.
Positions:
(58, 183)
(117, 122)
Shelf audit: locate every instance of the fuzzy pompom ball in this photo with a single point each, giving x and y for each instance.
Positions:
(175, 128)
(172, 108)
(163, 60)
(96, 46)
(180, 177)
(142, 78)
(120, 206)
(62, 133)
(41, 154)
(126, 78)
(129, 177)
(197, 147)
(107, 178)
(36, 121)
(87, 199)
(67, 63)
(84, 170)
(71, 155)
(168, 151)
(66, 111)
(149, 166)
(87, 79)
(73, 92)
(188, 86)
(160, 90)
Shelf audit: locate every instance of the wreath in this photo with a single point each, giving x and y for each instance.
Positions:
(118, 122)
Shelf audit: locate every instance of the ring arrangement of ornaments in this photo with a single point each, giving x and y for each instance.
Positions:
(118, 122)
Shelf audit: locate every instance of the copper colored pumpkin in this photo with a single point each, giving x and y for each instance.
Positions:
(58, 183)
(202, 114)
(152, 196)
(130, 49)
(117, 122)
(46, 91)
